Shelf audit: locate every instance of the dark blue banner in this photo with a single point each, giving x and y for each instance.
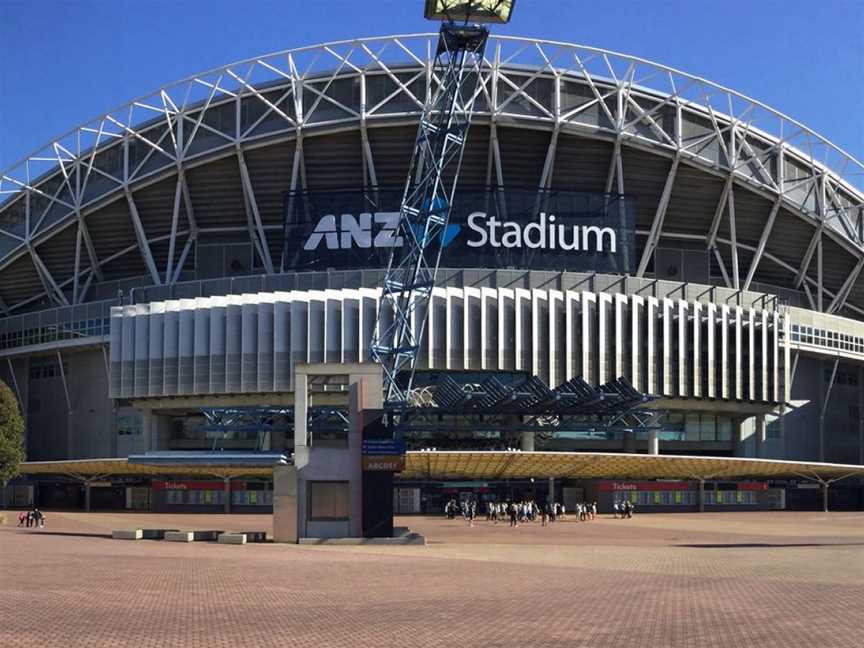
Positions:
(489, 228)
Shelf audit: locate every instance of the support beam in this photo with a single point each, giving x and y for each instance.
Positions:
(840, 298)
(808, 255)
(143, 243)
(51, 287)
(763, 241)
(718, 213)
(226, 494)
(253, 217)
(659, 216)
(733, 237)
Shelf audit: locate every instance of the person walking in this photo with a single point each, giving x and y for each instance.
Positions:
(22, 518)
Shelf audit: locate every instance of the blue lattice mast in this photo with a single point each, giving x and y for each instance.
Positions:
(432, 178)
(426, 204)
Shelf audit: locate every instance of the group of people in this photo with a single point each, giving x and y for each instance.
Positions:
(520, 512)
(34, 518)
(623, 508)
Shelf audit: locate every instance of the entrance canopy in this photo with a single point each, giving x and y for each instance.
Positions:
(478, 465)
(205, 464)
(594, 465)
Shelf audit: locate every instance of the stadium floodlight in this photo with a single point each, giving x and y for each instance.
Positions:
(470, 11)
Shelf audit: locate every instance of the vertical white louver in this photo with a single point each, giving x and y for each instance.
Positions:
(249, 343)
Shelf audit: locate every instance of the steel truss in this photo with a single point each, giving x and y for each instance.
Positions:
(425, 212)
(287, 95)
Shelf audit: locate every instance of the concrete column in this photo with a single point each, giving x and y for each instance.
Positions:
(285, 504)
(301, 400)
(629, 442)
(226, 494)
(701, 495)
(653, 442)
(87, 495)
(148, 427)
(550, 498)
(526, 442)
(759, 436)
(825, 496)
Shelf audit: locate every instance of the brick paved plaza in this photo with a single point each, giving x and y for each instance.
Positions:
(700, 580)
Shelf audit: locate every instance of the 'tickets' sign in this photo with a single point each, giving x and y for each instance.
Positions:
(488, 227)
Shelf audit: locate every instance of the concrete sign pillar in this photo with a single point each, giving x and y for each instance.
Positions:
(285, 504)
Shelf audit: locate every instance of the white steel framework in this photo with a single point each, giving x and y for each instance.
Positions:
(526, 83)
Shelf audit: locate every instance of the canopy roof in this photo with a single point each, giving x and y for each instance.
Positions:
(592, 465)
(499, 465)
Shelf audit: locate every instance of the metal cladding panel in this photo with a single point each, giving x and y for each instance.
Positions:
(281, 342)
(436, 329)
(711, 364)
(524, 320)
(724, 351)
(637, 326)
(333, 326)
(682, 347)
(489, 297)
(171, 351)
(156, 370)
(299, 329)
(218, 312)
(472, 349)
(540, 334)
(651, 329)
(589, 337)
(573, 350)
(316, 332)
(506, 329)
(116, 352)
(127, 360)
(455, 328)
(605, 324)
(249, 344)
(368, 309)
(142, 344)
(186, 345)
(201, 366)
(265, 338)
(350, 330)
(555, 334)
(667, 366)
(233, 344)
(698, 341)
(557, 337)
(738, 364)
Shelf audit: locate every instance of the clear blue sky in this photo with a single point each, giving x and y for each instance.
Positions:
(64, 62)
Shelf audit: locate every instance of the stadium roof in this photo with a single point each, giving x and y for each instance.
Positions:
(497, 465)
(116, 197)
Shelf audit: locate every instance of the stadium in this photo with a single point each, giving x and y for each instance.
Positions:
(168, 265)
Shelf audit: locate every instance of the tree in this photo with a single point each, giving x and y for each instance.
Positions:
(11, 434)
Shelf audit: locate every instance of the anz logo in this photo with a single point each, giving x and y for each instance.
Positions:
(350, 232)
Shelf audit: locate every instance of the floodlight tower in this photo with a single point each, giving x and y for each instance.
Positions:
(429, 189)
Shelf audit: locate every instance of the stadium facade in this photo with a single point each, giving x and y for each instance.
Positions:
(186, 250)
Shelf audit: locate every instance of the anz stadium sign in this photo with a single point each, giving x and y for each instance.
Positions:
(489, 227)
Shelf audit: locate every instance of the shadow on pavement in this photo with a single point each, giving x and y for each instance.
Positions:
(770, 545)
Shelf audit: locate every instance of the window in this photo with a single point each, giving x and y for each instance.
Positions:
(328, 500)
(129, 425)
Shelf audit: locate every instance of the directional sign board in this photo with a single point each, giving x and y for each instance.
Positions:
(383, 455)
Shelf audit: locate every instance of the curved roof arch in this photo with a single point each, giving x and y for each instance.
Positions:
(364, 83)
